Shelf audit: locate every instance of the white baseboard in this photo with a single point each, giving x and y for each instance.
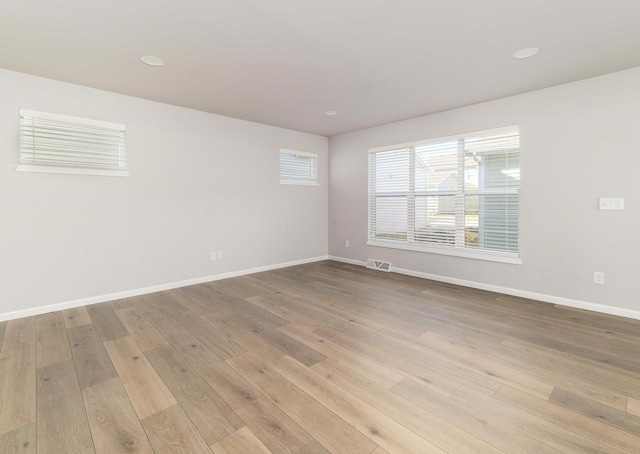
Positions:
(152, 289)
(561, 301)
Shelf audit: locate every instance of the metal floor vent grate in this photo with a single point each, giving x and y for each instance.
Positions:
(378, 265)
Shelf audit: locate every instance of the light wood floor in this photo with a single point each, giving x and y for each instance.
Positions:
(320, 358)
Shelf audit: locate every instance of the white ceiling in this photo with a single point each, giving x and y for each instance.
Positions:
(284, 62)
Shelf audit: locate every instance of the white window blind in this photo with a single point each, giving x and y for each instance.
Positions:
(298, 167)
(452, 194)
(59, 143)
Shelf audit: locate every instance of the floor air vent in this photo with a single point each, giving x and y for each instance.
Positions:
(378, 265)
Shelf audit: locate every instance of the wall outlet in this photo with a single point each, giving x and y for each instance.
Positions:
(212, 256)
(598, 277)
(219, 255)
(346, 243)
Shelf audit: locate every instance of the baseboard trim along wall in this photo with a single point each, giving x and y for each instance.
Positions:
(152, 289)
(216, 277)
(508, 291)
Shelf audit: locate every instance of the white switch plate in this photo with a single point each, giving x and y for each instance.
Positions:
(212, 256)
(346, 243)
(611, 203)
(219, 255)
(598, 277)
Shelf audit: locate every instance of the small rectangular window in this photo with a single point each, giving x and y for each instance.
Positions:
(298, 167)
(455, 195)
(62, 144)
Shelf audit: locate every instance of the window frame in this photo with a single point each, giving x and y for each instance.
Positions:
(306, 154)
(73, 169)
(459, 193)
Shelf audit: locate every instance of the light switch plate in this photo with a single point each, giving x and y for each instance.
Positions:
(611, 203)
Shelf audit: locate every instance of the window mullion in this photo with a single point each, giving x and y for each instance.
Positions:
(411, 197)
(460, 237)
(372, 196)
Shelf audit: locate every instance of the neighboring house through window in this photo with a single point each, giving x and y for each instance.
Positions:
(456, 195)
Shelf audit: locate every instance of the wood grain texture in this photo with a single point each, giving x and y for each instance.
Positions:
(76, 317)
(491, 431)
(123, 303)
(440, 375)
(211, 415)
(19, 332)
(62, 424)
(380, 451)
(317, 358)
(313, 417)
(518, 420)
(222, 345)
(575, 422)
(3, 327)
(52, 345)
(106, 323)
(276, 430)
(92, 362)
(17, 388)
(171, 432)
(272, 305)
(145, 388)
(114, 425)
(382, 375)
(372, 423)
(164, 302)
(306, 355)
(145, 335)
(178, 336)
(245, 338)
(242, 440)
(315, 448)
(426, 424)
(19, 441)
(614, 417)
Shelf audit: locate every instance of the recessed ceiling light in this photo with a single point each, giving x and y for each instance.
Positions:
(152, 61)
(331, 113)
(527, 52)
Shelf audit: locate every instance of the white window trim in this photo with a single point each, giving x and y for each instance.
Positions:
(455, 252)
(305, 154)
(493, 256)
(299, 153)
(300, 183)
(502, 130)
(71, 170)
(70, 119)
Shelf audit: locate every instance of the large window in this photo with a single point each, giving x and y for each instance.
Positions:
(455, 195)
(63, 144)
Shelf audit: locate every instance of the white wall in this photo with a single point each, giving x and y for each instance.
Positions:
(199, 182)
(579, 141)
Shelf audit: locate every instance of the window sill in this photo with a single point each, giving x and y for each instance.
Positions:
(71, 170)
(449, 251)
(300, 183)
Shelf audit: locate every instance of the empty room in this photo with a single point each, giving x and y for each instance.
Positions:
(311, 227)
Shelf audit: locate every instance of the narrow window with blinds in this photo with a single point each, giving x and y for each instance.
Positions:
(298, 167)
(62, 144)
(456, 195)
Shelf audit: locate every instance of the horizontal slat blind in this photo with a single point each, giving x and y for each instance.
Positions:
(389, 195)
(60, 141)
(298, 167)
(459, 192)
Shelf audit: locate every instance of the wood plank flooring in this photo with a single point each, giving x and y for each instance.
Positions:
(320, 358)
